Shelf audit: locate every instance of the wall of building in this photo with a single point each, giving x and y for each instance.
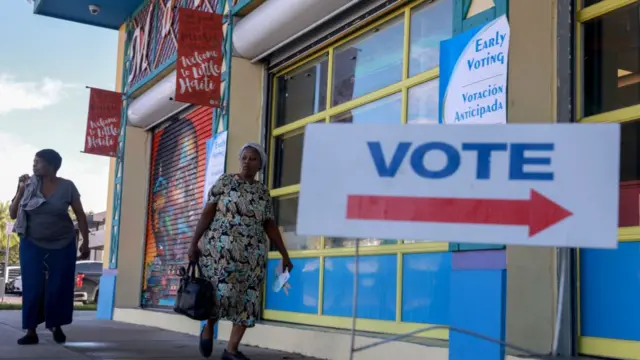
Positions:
(531, 271)
(245, 113)
(244, 126)
(132, 218)
(531, 278)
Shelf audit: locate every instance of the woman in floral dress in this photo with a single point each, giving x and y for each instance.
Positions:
(232, 227)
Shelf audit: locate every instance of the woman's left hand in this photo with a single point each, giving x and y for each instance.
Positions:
(84, 250)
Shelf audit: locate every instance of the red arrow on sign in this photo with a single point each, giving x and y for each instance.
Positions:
(538, 212)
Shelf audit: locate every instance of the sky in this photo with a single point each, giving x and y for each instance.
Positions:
(45, 66)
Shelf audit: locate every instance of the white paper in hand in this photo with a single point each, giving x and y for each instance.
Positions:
(281, 278)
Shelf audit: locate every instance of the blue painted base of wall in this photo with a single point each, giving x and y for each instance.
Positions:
(610, 292)
(106, 295)
(425, 287)
(478, 304)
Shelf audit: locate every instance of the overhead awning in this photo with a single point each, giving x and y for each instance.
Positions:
(276, 21)
(155, 104)
(105, 14)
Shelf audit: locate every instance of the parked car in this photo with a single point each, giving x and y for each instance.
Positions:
(88, 275)
(9, 277)
(16, 285)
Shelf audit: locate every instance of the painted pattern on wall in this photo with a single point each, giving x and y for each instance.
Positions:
(178, 161)
(153, 37)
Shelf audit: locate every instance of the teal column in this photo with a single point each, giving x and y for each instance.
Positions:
(460, 24)
(109, 276)
(478, 294)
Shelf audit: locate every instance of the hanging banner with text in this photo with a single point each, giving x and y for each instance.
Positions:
(103, 122)
(199, 65)
(473, 75)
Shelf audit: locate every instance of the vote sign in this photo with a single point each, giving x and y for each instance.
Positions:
(545, 185)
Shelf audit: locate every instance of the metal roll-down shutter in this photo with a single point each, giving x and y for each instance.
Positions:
(178, 161)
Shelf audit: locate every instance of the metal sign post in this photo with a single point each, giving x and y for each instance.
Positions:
(557, 328)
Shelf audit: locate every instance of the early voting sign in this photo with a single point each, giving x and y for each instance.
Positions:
(216, 160)
(546, 185)
(473, 75)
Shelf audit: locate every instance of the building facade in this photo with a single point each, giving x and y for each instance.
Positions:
(291, 63)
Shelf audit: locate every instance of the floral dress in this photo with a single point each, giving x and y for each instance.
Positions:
(234, 250)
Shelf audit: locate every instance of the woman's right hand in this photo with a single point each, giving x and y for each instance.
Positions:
(22, 181)
(194, 252)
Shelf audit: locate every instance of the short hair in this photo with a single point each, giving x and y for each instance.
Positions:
(51, 157)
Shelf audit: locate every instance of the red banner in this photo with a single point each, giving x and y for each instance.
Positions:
(199, 64)
(103, 122)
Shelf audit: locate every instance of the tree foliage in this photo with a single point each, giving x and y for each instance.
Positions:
(13, 241)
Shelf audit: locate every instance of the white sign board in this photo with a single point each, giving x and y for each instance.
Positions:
(546, 185)
(473, 75)
(216, 160)
(8, 227)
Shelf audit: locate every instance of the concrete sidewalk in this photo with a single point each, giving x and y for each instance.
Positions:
(89, 338)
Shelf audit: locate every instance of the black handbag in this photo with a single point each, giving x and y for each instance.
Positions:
(196, 298)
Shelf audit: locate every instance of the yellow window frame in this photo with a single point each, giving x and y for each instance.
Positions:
(631, 113)
(296, 127)
(593, 346)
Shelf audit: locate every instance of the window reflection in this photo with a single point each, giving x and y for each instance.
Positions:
(369, 62)
(629, 209)
(339, 242)
(423, 103)
(288, 160)
(430, 24)
(612, 61)
(286, 213)
(384, 111)
(302, 92)
(586, 3)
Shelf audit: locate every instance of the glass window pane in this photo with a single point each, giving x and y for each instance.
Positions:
(338, 242)
(430, 24)
(369, 62)
(288, 160)
(423, 103)
(630, 175)
(383, 111)
(612, 61)
(302, 92)
(286, 212)
(586, 3)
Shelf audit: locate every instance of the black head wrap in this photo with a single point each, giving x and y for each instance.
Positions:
(51, 157)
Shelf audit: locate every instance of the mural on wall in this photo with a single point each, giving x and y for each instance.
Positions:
(178, 161)
(152, 37)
